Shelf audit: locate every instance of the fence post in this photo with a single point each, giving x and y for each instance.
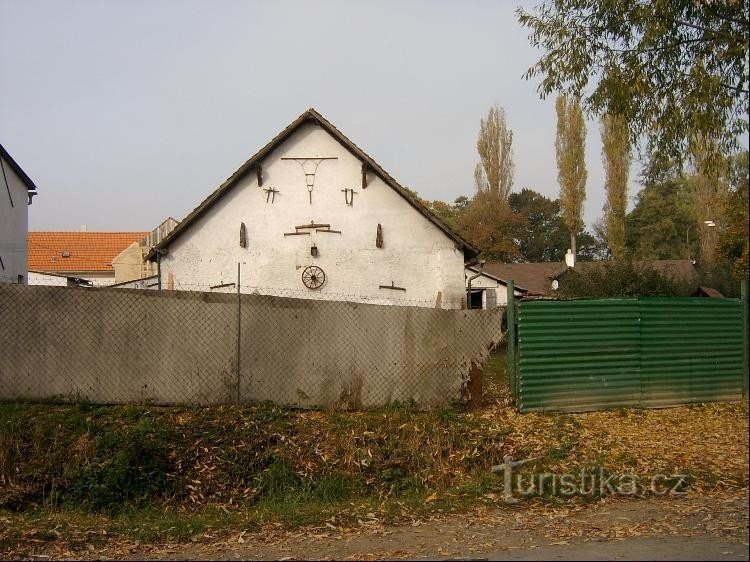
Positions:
(239, 329)
(745, 339)
(511, 308)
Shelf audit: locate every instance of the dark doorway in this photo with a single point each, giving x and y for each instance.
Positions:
(476, 299)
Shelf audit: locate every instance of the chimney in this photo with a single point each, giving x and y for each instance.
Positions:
(570, 259)
(83, 228)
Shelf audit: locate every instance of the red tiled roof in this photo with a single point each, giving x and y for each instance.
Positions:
(88, 251)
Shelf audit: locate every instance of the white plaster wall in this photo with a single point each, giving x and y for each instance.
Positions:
(36, 278)
(147, 283)
(14, 225)
(416, 254)
(484, 281)
(97, 279)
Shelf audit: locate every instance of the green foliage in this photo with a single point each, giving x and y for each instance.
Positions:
(733, 239)
(278, 480)
(128, 466)
(490, 224)
(671, 68)
(77, 455)
(620, 279)
(542, 236)
(570, 147)
(662, 222)
(616, 157)
(721, 277)
(541, 233)
(446, 213)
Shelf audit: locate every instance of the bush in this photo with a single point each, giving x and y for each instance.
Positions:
(129, 466)
(621, 279)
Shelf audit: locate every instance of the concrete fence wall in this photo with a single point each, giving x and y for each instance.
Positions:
(164, 347)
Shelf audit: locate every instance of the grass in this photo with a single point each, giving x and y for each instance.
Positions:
(82, 474)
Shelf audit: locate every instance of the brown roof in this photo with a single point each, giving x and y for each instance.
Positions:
(708, 292)
(311, 115)
(537, 277)
(87, 251)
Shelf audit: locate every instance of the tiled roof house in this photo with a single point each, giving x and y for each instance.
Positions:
(83, 255)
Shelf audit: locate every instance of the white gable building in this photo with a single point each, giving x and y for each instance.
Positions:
(17, 191)
(312, 216)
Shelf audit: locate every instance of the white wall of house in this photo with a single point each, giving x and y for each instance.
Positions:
(416, 254)
(150, 283)
(490, 284)
(98, 279)
(14, 225)
(55, 280)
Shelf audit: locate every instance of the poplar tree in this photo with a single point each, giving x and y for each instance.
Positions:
(616, 157)
(570, 145)
(494, 172)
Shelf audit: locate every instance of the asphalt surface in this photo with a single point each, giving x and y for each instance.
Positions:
(635, 548)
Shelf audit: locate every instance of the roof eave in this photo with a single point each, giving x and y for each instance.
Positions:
(310, 115)
(30, 186)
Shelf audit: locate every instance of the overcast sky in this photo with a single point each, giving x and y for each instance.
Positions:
(125, 113)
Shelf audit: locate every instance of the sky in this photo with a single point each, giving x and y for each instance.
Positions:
(126, 113)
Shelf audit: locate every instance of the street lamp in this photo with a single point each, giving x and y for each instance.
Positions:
(708, 224)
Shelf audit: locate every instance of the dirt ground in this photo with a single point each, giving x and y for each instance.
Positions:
(713, 526)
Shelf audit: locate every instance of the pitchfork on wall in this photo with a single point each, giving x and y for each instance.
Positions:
(310, 168)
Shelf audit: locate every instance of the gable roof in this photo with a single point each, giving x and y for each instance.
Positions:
(30, 187)
(535, 277)
(484, 273)
(311, 115)
(88, 251)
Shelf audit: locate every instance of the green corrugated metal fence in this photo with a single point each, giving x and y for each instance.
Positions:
(603, 353)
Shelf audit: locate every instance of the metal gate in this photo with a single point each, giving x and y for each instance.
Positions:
(592, 354)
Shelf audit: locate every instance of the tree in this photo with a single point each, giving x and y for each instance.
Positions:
(733, 240)
(616, 158)
(489, 224)
(542, 236)
(446, 212)
(570, 145)
(541, 232)
(494, 172)
(661, 225)
(670, 68)
(709, 186)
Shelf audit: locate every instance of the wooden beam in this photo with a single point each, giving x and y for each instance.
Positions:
(312, 225)
(364, 175)
(259, 174)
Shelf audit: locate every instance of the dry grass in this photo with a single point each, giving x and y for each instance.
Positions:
(69, 474)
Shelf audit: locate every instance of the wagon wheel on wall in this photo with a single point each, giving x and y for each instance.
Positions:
(313, 277)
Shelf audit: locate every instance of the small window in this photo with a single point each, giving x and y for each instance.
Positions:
(243, 235)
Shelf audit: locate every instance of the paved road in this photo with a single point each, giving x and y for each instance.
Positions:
(697, 528)
(636, 548)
